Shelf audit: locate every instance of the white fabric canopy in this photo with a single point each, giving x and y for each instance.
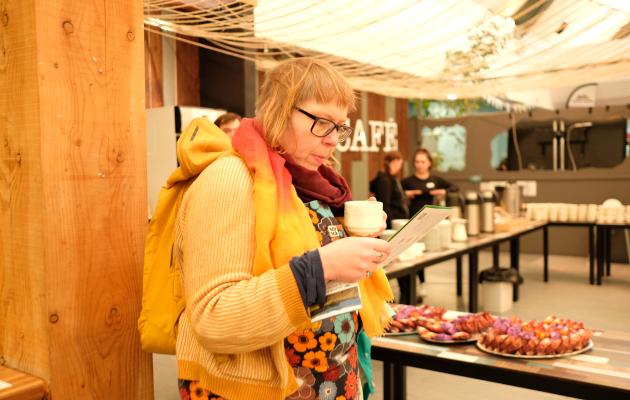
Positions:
(419, 49)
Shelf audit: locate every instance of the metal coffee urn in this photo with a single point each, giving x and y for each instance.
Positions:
(456, 201)
(512, 198)
(488, 198)
(473, 211)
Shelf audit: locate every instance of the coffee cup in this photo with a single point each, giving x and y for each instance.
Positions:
(363, 217)
(398, 223)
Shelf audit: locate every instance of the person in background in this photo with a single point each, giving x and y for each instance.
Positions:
(387, 189)
(423, 188)
(257, 239)
(228, 123)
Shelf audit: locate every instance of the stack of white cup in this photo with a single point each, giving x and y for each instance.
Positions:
(564, 212)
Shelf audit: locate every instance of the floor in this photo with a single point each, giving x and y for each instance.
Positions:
(567, 294)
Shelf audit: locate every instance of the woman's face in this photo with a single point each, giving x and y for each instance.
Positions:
(231, 127)
(306, 149)
(421, 163)
(395, 166)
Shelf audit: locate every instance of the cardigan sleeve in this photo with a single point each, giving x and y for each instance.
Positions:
(309, 275)
(229, 309)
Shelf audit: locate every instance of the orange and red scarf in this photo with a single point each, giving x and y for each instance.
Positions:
(283, 227)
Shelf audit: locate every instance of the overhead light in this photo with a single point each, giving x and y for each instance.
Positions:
(451, 96)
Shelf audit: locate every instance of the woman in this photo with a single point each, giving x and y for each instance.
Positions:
(249, 250)
(228, 123)
(387, 188)
(422, 188)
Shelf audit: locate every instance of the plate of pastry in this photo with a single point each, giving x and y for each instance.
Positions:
(552, 337)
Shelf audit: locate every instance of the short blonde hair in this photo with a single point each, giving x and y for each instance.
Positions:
(293, 82)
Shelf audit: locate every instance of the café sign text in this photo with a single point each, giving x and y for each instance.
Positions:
(382, 134)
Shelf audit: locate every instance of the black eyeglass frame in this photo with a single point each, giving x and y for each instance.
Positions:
(343, 133)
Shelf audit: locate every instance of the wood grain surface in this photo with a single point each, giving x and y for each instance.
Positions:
(24, 338)
(23, 386)
(376, 112)
(74, 209)
(153, 70)
(188, 89)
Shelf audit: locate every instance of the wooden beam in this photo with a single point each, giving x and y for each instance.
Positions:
(188, 84)
(402, 119)
(73, 196)
(153, 70)
(24, 340)
(376, 112)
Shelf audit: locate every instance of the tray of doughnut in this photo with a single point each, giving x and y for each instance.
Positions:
(552, 337)
(462, 328)
(407, 318)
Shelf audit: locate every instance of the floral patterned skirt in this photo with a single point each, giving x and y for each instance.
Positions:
(191, 390)
(324, 359)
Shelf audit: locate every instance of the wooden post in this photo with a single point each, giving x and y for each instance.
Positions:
(73, 211)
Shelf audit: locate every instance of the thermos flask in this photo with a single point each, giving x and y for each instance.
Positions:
(487, 211)
(473, 211)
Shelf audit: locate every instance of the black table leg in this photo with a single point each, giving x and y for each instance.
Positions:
(458, 274)
(600, 254)
(413, 296)
(388, 380)
(394, 381)
(608, 250)
(546, 253)
(591, 255)
(407, 286)
(473, 281)
(495, 255)
(514, 258)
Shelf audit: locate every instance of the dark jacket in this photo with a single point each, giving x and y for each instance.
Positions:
(425, 185)
(388, 191)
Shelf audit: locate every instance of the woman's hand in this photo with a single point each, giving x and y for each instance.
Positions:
(438, 192)
(413, 193)
(384, 221)
(353, 258)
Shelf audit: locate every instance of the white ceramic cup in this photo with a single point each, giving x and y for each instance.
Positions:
(459, 230)
(529, 210)
(582, 212)
(563, 212)
(542, 212)
(573, 212)
(619, 215)
(446, 233)
(398, 223)
(363, 217)
(592, 213)
(432, 240)
(553, 212)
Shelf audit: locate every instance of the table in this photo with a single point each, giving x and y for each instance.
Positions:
(601, 373)
(18, 385)
(591, 246)
(408, 269)
(603, 247)
(598, 239)
(598, 246)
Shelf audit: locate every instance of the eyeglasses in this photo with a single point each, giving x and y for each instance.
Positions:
(323, 127)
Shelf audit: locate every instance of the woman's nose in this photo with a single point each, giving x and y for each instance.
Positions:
(332, 139)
